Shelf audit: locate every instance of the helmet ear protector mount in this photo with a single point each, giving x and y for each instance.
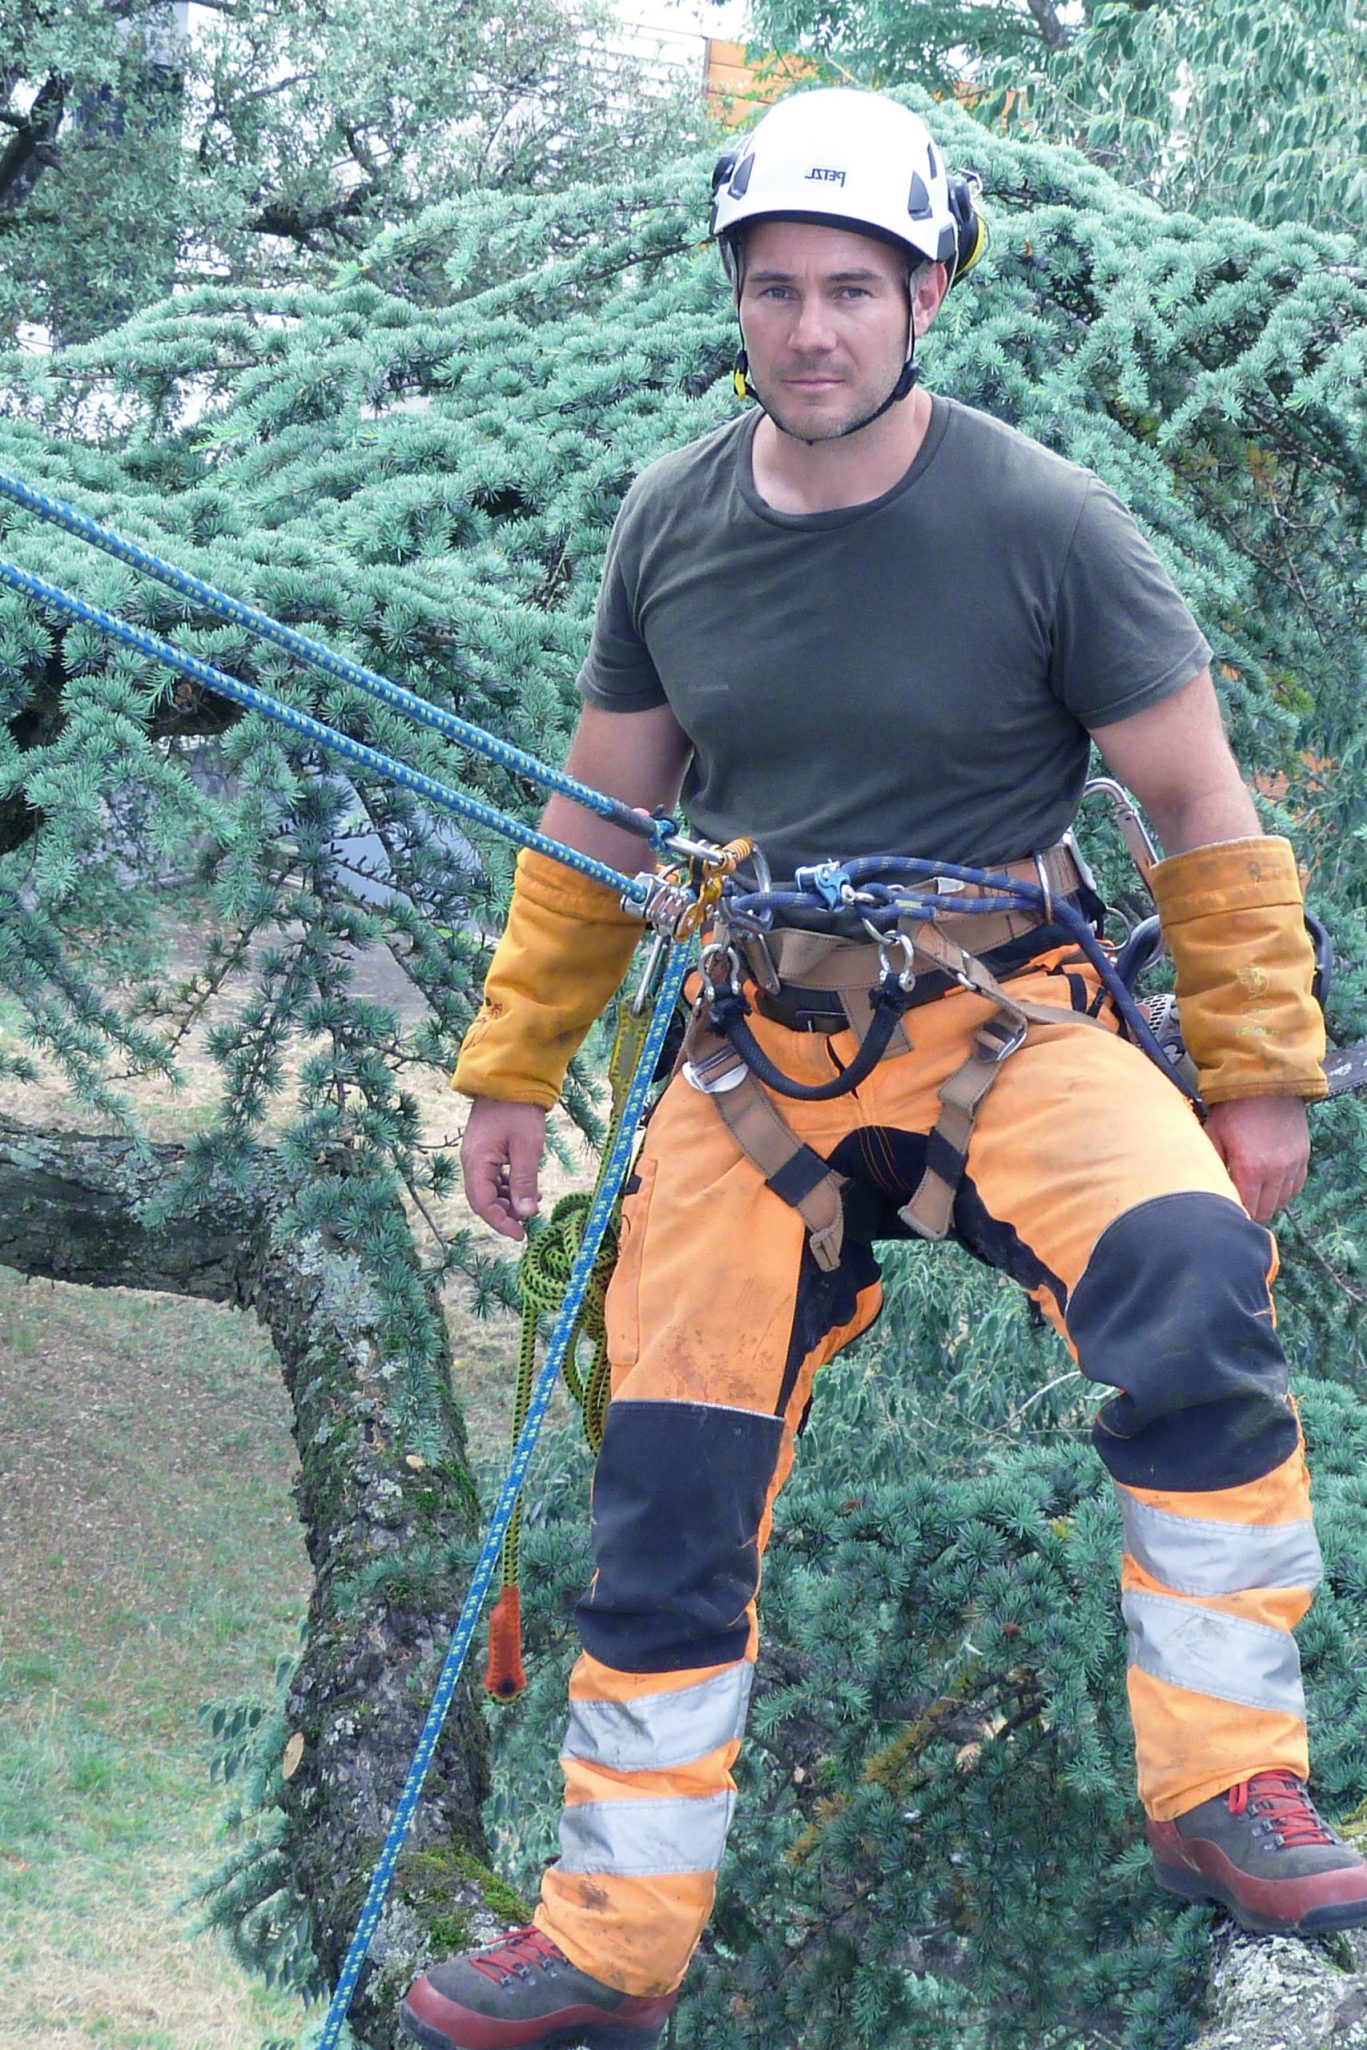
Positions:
(853, 160)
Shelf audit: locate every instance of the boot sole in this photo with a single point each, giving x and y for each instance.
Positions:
(601, 2037)
(1194, 1886)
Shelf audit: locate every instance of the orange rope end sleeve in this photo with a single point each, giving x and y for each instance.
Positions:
(504, 1674)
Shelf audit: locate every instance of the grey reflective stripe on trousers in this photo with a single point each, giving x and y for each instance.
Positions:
(1195, 1556)
(637, 1839)
(658, 1732)
(1211, 1653)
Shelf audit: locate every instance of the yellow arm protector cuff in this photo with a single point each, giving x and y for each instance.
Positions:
(563, 953)
(1234, 922)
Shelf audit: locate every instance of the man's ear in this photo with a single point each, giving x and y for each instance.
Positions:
(928, 292)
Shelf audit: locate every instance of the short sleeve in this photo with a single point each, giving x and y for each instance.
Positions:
(618, 674)
(1123, 637)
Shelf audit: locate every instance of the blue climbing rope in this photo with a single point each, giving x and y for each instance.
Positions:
(59, 514)
(208, 678)
(672, 964)
(881, 888)
(609, 1186)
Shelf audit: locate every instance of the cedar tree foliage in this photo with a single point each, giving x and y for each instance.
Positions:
(418, 455)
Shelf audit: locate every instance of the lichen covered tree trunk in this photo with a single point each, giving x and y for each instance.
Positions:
(386, 1500)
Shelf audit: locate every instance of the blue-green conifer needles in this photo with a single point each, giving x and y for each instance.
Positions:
(418, 458)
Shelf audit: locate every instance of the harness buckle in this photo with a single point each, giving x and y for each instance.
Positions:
(716, 1074)
(1000, 1037)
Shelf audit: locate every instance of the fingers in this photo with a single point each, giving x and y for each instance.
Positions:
(1264, 1144)
(486, 1191)
(500, 1159)
(521, 1177)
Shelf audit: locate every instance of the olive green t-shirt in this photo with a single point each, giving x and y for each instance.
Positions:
(916, 675)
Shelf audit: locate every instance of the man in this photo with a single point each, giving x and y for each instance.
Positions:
(868, 620)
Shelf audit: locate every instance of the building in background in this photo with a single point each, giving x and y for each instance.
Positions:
(705, 44)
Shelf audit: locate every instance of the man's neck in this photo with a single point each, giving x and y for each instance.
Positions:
(826, 476)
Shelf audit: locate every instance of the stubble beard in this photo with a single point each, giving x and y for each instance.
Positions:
(858, 403)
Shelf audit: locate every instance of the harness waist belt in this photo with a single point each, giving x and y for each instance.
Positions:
(826, 1010)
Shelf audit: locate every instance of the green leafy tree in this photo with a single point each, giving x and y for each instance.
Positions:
(420, 459)
(1255, 108)
(938, 44)
(279, 139)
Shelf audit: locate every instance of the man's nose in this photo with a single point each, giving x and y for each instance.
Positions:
(812, 327)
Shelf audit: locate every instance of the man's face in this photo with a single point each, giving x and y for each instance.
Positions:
(826, 319)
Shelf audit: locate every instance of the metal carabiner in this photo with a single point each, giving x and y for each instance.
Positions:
(1047, 893)
(722, 950)
(650, 974)
(905, 976)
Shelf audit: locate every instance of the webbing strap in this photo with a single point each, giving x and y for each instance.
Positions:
(930, 1211)
(769, 1141)
(799, 1175)
(793, 1170)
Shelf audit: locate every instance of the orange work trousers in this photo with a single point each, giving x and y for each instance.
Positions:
(1090, 1181)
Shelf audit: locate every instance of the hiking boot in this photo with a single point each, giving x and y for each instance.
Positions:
(1263, 1851)
(524, 1994)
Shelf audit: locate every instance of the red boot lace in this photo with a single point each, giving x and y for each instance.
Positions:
(1291, 1814)
(516, 1954)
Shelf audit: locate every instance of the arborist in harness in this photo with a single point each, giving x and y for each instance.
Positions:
(861, 619)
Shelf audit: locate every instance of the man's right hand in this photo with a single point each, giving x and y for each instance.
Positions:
(500, 1158)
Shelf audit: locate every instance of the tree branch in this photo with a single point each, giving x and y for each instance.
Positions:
(1055, 35)
(33, 147)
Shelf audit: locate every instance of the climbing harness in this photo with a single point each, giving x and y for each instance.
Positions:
(850, 945)
(916, 915)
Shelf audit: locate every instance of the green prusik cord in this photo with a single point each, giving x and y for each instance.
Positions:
(543, 1273)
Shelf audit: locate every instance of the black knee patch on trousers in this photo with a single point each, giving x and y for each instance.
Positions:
(678, 1496)
(1174, 1310)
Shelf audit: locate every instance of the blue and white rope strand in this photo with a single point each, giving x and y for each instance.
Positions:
(236, 613)
(613, 1175)
(223, 685)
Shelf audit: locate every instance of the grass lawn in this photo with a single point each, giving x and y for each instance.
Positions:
(150, 1559)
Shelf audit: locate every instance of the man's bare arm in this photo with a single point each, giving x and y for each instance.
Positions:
(639, 757)
(1177, 761)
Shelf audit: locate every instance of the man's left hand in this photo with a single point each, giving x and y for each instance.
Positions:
(1264, 1141)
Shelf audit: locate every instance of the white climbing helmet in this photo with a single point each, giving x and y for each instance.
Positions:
(857, 160)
